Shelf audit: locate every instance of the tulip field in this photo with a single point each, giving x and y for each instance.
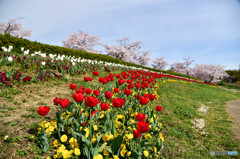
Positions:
(54, 106)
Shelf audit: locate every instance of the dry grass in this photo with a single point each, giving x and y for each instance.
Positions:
(21, 114)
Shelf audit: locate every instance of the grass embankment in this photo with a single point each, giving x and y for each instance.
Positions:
(180, 101)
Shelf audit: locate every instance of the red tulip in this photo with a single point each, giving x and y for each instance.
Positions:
(43, 110)
(80, 91)
(27, 78)
(73, 86)
(111, 79)
(56, 100)
(130, 86)
(127, 91)
(121, 81)
(143, 87)
(90, 78)
(152, 97)
(64, 103)
(94, 113)
(78, 97)
(137, 85)
(139, 97)
(146, 84)
(116, 90)
(111, 75)
(129, 81)
(91, 101)
(100, 79)
(96, 92)
(108, 79)
(108, 94)
(118, 102)
(95, 73)
(104, 81)
(118, 76)
(143, 126)
(146, 95)
(143, 100)
(158, 108)
(140, 117)
(136, 133)
(104, 106)
(86, 79)
(88, 91)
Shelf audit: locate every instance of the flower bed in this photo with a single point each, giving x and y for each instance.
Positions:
(116, 119)
(63, 64)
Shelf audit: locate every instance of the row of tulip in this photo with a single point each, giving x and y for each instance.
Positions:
(117, 118)
(74, 64)
(62, 64)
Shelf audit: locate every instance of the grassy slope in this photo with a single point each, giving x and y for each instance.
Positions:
(179, 100)
(7, 40)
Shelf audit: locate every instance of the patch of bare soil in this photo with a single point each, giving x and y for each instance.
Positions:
(233, 107)
(19, 112)
(199, 124)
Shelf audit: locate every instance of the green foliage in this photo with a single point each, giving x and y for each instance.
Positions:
(234, 73)
(8, 40)
(21, 153)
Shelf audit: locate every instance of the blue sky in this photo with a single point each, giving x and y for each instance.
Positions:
(206, 30)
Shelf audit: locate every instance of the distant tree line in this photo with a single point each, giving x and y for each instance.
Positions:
(234, 76)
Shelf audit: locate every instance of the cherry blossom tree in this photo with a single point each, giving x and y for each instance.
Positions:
(14, 28)
(128, 51)
(82, 41)
(187, 61)
(159, 63)
(183, 67)
(209, 73)
(144, 58)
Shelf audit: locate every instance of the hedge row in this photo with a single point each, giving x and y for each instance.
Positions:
(8, 40)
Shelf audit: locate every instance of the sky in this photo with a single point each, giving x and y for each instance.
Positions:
(206, 30)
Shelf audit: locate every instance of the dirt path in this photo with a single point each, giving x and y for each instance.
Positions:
(233, 107)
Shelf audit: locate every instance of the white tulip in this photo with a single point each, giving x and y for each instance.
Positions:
(43, 54)
(25, 52)
(10, 59)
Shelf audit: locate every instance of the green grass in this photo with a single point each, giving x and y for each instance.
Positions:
(8, 92)
(230, 85)
(180, 102)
